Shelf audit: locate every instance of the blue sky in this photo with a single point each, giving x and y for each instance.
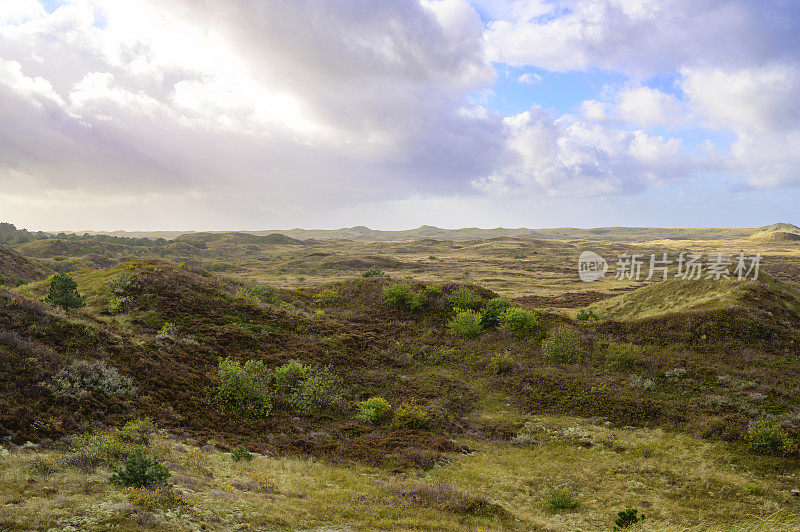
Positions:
(233, 114)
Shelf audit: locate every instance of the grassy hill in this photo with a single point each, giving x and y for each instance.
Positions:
(678, 295)
(613, 234)
(651, 408)
(16, 268)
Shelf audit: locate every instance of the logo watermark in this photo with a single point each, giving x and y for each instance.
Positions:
(591, 266)
(687, 266)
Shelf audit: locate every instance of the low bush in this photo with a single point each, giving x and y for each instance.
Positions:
(768, 437)
(244, 389)
(562, 345)
(586, 315)
(83, 378)
(409, 415)
(445, 498)
(42, 466)
(375, 411)
(624, 356)
(168, 330)
(319, 391)
(118, 284)
(241, 454)
(520, 322)
(161, 497)
(373, 272)
(403, 296)
(490, 318)
(137, 432)
(434, 289)
(117, 305)
(327, 296)
(464, 298)
(466, 323)
(100, 447)
(561, 499)
(501, 363)
(289, 376)
(140, 471)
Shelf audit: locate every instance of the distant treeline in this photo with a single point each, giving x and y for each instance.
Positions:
(9, 234)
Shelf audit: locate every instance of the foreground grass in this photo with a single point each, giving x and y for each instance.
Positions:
(678, 481)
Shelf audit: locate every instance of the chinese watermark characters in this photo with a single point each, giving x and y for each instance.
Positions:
(662, 266)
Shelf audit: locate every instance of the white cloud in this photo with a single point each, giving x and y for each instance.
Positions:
(280, 102)
(645, 36)
(568, 156)
(19, 10)
(640, 106)
(529, 78)
(250, 105)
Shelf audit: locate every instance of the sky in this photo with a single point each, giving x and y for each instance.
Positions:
(257, 114)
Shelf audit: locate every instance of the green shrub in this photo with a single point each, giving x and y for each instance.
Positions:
(402, 296)
(137, 432)
(410, 416)
(494, 309)
(244, 390)
(466, 323)
(63, 292)
(624, 356)
(327, 296)
(83, 378)
(586, 315)
(2, 280)
(561, 499)
(140, 471)
(374, 272)
(520, 322)
(501, 363)
(464, 298)
(241, 454)
(120, 283)
(289, 376)
(100, 446)
(168, 330)
(434, 289)
(768, 437)
(316, 393)
(375, 410)
(117, 305)
(562, 345)
(627, 518)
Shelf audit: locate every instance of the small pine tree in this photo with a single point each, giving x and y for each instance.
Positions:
(627, 518)
(141, 471)
(63, 292)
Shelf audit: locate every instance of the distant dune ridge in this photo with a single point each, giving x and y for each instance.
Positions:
(778, 232)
